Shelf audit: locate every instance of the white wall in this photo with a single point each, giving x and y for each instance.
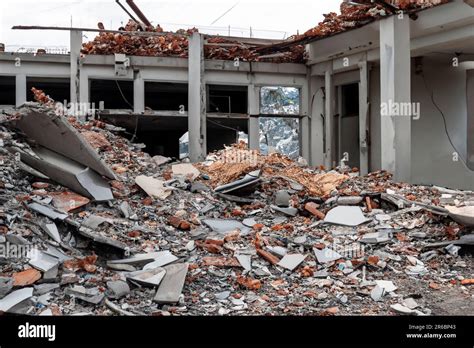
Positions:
(432, 153)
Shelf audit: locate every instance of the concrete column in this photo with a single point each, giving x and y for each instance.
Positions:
(328, 119)
(470, 118)
(395, 91)
(254, 111)
(76, 45)
(138, 93)
(304, 121)
(363, 118)
(317, 107)
(20, 89)
(84, 88)
(196, 100)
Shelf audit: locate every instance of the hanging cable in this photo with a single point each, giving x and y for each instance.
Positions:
(123, 96)
(431, 94)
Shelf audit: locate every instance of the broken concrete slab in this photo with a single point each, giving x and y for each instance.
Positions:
(377, 293)
(153, 187)
(287, 211)
(42, 289)
(56, 134)
(245, 261)
(52, 231)
(50, 212)
(185, 169)
(291, 261)
(387, 285)
(410, 303)
(146, 258)
(68, 173)
(462, 215)
(349, 200)
(15, 298)
(162, 259)
(404, 310)
(90, 295)
(6, 285)
(278, 250)
(150, 277)
(118, 289)
(160, 160)
(42, 261)
(94, 221)
(223, 226)
(377, 237)
(172, 284)
(282, 198)
(326, 255)
(346, 216)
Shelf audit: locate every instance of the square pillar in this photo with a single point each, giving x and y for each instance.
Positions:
(20, 89)
(138, 93)
(363, 118)
(76, 45)
(317, 110)
(254, 111)
(196, 100)
(304, 120)
(395, 92)
(328, 118)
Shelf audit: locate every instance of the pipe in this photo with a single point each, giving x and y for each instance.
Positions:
(139, 13)
(124, 8)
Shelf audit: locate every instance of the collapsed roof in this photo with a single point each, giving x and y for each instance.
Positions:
(354, 14)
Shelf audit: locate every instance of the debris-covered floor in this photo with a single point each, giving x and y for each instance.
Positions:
(91, 224)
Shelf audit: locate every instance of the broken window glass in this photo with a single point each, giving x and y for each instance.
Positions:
(278, 134)
(279, 100)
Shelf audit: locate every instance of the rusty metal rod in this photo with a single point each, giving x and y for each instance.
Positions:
(139, 13)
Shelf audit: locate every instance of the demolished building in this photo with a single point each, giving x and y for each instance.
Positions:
(112, 227)
(156, 83)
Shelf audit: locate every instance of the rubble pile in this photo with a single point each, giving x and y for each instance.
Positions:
(238, 234)
(356, 15)
(176, 45)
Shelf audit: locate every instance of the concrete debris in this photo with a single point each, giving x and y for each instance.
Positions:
(15, 298)
(224, 226)
(168, 242)
(90, 295)
(172, 284)
(291, 261)
(286, 211)
(47, 211)
(153, 187)
(282, 198)
(185, 169)
(6, 285)
(326, 255)
(346, 216)
(462, 215)
(52, 231)
(151, 276)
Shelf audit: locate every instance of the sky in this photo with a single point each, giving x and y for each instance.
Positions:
(274, 19)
